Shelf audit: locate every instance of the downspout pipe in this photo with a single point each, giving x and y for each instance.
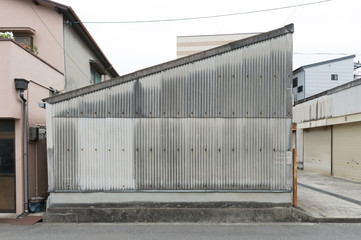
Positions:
(25, 132)
(21, 84)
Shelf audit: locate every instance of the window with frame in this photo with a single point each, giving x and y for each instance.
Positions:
(96, 71)
(334, 77)
(23, 36)
(94, 76)
(295, 82)
(300, 89)
(26, 40)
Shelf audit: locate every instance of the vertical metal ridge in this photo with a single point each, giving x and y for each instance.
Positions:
(221, 123)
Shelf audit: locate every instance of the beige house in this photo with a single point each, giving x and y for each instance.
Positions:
(188, 45)
(53, 54)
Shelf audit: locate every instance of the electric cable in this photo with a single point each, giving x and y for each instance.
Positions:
(202, 17)
(59, 44)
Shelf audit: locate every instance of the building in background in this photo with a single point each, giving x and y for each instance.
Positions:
(312, 79)
(53, 55)
(328, 135)
(187, 45)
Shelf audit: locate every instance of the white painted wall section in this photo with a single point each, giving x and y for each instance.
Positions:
(318, 78)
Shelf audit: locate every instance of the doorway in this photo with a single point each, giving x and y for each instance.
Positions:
(7, 165)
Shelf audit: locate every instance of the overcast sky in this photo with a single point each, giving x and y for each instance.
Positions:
(332, 27)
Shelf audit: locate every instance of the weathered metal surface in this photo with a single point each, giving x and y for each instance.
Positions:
(174, 154)
(336, 102)
(237, 84)
(222, 123)
(213, 154)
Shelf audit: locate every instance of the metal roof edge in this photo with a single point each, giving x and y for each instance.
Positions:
(221, 34)
(297, 70)
(323, 62)
(331, 91)
(172, 64)
(84, 31)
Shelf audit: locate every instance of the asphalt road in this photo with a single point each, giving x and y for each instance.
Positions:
(281, 231)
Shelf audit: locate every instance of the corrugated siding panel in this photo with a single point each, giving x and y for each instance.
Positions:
(92, 154)
(174, 154)
(238, 84)
(221, 123)
(334, 105)
(66, 153)
(105, 154)
(121, 101)
(212, 154)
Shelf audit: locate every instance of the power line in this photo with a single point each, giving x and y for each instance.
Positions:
(85, 76)
(292, 12)
(205, 17)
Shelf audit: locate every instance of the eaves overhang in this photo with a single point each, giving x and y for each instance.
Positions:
(81, 29)
(20, 30)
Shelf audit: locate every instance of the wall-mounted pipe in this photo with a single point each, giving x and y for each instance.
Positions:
(22, 84)
(25, 104)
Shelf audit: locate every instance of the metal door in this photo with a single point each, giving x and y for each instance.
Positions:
(347, 151)
(317, 150)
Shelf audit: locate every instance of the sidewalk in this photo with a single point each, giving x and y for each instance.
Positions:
(329, 199)
(323, 198)
(30, 219)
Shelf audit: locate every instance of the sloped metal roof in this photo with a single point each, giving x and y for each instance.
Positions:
(322, 63)
(172, 64)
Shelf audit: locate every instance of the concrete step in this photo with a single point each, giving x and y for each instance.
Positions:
(163, 212)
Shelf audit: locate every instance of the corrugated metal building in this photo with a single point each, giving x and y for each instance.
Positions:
(214, 126)
(329, 131)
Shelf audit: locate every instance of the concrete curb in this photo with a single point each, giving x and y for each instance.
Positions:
(157, 213)
(338, 220)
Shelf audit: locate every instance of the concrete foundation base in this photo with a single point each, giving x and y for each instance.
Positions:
(176, 212)
(169, 197)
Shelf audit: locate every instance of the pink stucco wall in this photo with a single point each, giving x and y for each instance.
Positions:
(16, 62)
(46, 22)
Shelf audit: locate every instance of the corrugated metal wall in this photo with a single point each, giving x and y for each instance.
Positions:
(221, 123)
(339, 103)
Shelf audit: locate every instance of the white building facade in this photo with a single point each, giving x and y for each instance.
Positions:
(312, 79)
